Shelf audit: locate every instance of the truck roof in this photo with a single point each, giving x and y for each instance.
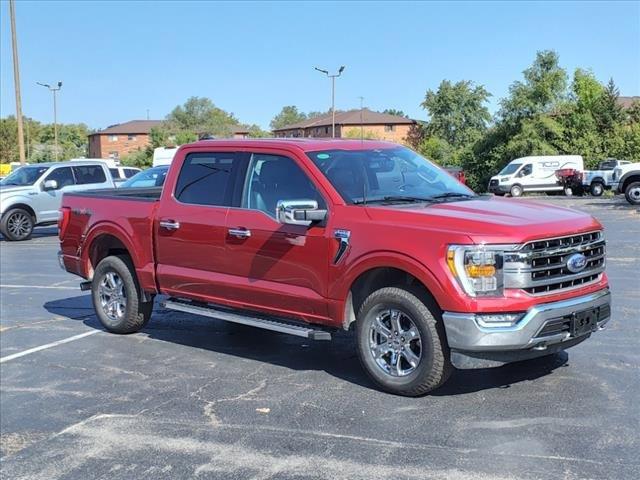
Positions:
(70, 162)
(305, 144)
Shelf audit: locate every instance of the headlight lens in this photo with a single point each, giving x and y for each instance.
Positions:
(477, 269)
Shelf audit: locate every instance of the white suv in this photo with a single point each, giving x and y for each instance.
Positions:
(32, 194)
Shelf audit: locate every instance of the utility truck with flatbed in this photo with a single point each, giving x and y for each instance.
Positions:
(307, 237)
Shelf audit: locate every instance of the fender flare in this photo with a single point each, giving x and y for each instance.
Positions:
(106, 228)
(341, 290)
(627, 176)
(16, 200)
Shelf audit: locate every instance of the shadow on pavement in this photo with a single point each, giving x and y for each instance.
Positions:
(38, 232)
(338, 357)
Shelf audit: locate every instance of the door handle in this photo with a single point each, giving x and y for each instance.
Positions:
(240, 232)
(169, 224)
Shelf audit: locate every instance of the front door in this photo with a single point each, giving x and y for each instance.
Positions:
(47, 202)
(190, 230)
(275, 267)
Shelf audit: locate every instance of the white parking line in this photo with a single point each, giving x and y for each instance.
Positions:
(48, 345)
(55, 287)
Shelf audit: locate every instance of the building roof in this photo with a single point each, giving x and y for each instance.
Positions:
(304, 144)
(626, 102)
(351, 117)
(131, 127)
(236, 129)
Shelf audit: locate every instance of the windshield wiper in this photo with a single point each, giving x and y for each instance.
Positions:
(451, 195)
(394, 198)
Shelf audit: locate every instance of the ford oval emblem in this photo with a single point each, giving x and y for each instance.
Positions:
(576, 262)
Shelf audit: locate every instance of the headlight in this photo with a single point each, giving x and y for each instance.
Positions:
(477, 269)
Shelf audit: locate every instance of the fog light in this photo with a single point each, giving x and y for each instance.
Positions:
(494, 320)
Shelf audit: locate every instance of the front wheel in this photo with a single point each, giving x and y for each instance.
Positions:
(17, 225)
(597, 189)
(116, 296)
(516, 191)
(401, 345)
(632, 193)
(568, 191)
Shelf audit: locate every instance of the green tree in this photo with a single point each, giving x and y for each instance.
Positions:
(393, 111)
(543, 88)
(200, 116)
(287, 116)
(457, 112)
(357, 133)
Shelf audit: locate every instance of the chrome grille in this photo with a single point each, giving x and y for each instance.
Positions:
(540, 267)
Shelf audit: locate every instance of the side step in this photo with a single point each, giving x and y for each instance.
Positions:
(281, 326)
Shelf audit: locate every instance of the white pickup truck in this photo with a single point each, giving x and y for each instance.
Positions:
(597, 181)
(626, 180)
(31, 195)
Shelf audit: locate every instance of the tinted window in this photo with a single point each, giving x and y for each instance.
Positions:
(130, 172)
(526, 170)
(272, 178)
(63, 176)
(115, 173)
(87, 174)
(205, 178)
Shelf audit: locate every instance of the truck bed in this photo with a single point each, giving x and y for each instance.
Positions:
(147, 194)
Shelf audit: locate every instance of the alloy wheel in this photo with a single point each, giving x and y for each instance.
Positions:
(394, 342)
(19, 225)
(113, 299)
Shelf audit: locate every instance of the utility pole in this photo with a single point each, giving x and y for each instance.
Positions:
(333, 96)
(16, 81)
(54, 90)
(361, 119)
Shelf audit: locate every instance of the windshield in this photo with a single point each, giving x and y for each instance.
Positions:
(24, 176)
(389, 174)
(153, 177)
(509, 169)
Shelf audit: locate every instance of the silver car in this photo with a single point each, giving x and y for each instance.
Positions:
(32, 194)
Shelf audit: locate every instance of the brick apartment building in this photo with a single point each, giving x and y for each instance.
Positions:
(119, 140)
(377, 125)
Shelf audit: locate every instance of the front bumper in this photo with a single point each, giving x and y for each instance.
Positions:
(499, 188)
(529, 333)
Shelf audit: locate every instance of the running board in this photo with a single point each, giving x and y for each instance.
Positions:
(246, 319)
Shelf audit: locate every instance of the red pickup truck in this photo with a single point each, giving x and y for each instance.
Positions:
(307, 236)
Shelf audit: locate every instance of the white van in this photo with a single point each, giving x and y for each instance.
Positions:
(533, 174)
(163, 155)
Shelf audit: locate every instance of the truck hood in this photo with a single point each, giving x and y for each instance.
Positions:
(6, 190)
(490, 219)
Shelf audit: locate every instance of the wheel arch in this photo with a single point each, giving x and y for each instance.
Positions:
(386, 270)
(24, 206)
(628, 179)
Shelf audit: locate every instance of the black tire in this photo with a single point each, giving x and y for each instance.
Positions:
(17, 225)
(433, 367)
(516, 190)
(632, 193)
(596, 189)
(135, 313)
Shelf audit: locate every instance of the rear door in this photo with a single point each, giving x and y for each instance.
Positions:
(190, 228)
(275, 267)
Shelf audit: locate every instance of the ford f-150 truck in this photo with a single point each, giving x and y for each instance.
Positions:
(308, 236)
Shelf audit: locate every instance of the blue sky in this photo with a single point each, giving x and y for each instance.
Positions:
(118, 59)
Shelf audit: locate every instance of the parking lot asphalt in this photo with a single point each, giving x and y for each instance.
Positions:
(190, 397)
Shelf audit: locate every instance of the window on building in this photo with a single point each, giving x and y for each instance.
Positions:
(389, 128)
(113, 138)
(326, 130)
(131, 137)
(205, 178)
(87, 174)
(114, 155)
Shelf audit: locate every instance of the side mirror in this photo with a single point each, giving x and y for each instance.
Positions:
(50, 185)
(299, 212)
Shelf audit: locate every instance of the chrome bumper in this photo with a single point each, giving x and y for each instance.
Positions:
(465, 334)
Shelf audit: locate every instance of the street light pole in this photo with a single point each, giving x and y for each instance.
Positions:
(54, 90)
(333, 96)
(16, 81)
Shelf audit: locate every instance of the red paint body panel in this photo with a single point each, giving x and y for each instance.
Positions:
(288, 270)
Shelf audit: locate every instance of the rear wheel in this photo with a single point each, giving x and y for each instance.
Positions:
(632, 193)
(596, 189)
(17, 225)
(516, 191)
(116, 296)
(400, 343)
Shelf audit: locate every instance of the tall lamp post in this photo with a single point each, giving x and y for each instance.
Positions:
(333, 96)
(54, 90)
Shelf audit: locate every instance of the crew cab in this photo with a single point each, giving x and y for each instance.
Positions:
(32, 194)
(308, 236)
(626, 180)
